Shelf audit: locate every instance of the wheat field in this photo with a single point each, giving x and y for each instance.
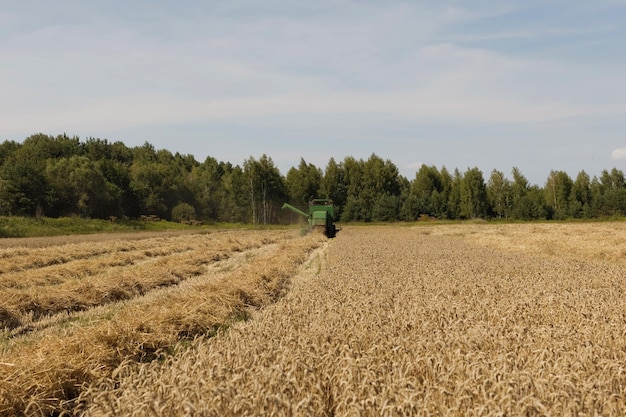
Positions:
(73, 311)
(432, 320)
(442, 320)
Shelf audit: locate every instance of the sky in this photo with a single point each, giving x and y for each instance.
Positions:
(536, 84)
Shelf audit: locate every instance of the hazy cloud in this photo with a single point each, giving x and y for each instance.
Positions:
(402, 78)
(414, 166)
(619, 153)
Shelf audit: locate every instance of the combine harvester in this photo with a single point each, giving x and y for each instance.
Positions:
(321, 216)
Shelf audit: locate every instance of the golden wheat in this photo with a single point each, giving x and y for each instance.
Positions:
(42, 372)
(467, 320)
(126, 270)
(395, 321)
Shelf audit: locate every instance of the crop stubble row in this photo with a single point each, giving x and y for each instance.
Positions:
(43, 372)
(398, 321)
(45, 281)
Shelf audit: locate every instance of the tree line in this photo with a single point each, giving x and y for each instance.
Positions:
(64, 176)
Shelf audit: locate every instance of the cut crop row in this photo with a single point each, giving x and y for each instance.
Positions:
(84, 284)
(46, 374)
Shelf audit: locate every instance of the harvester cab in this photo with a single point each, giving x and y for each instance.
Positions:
(321, 216)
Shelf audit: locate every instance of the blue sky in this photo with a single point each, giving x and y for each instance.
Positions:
(539, 85)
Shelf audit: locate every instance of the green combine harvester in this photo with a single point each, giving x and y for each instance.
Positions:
(321, 216)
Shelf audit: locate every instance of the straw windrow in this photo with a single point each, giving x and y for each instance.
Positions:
(45, 372)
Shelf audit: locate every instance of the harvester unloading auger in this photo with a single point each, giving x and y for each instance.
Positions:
(321, 216)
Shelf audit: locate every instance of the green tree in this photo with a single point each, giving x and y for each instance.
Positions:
(266, 188)
(62, 195)
(124, 202)
(7, 148)
(537, 204)
(371, 185)
(474, 202)
(386, 208)
(153, 183)
(25, 185)
(333, 185)
(95, 194)
(499, 193)
(43, 147)
(113, 161)
(382, 189)
(454, 197)
(610, 193)
(354, 208)
(206, 181)
(430, 191)
(145, 153)
(580, 199)
(557, 192)
(235, 205)
(440, 200)
(426, 188)
(410, 208)
(183, 212)
(524, 207)
(303, 183)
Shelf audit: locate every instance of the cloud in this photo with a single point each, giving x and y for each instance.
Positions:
(350, 66)
(427, 105)
(619, 153)
(414, 166)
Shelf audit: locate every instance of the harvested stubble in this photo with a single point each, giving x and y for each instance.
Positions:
(21, 258)
(44, 374)
(46, 241)
(400, 322)
(115, 271)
